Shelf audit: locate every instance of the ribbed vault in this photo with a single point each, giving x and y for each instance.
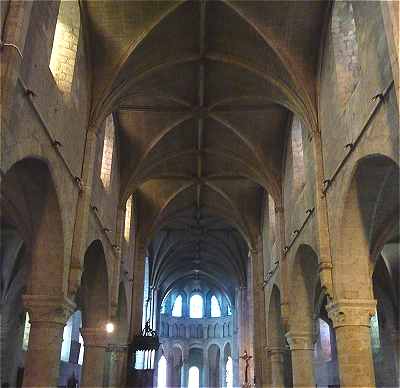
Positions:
(202, 93)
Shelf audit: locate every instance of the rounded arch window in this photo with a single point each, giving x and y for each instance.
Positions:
(177, 307)
(215, 307)
(162, 372)
(229, 373)
(194, 377)
(196, 306)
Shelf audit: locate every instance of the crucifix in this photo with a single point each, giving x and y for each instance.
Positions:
(246, 357)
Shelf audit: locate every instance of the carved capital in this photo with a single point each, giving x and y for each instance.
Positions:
(351, 312)
(300, 340)
(48, 309)
(95, 337)
(275, 353)
(118, 348)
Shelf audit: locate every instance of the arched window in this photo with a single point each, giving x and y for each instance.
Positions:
(128, 217)
(229, 310)
(177, 308)
(215, 308)
(229, 373)
(27, 330)
(345, 50)
(196, 306)
(108, 150)
(81, 350)
(194, 377)
(65, 45)
(162, 372)
(325, 340)
(375, 337)
(297, 154)
(67, 338)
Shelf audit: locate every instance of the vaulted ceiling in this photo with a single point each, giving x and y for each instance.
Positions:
(203, 93)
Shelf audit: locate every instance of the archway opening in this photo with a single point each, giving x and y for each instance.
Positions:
(194, 377)
(162, 372)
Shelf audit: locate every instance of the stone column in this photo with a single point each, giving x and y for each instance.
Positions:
(48, 315)
(206, 370)
(184, 373)
(301, 347)
(351, 321)
(222, 371)
(275, 355)
(119, 357)
(396, 346)
(95, 343)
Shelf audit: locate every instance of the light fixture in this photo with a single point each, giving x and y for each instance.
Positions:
(109, 327)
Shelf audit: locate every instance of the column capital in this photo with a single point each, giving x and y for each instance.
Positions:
(117, 348)
(275, 350)
(351, 312)
(48, 309)
(95, 337)
(300, 340)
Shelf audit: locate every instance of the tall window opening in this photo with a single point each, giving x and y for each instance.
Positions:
(196, 306)
(194, 377)
(229, 373)
(67, 338)
(177, 308)
(108, 149)
(27, 330)
(215, 308)
(65, 45)
(144, 358)
(324, 347)
(375, 336)
(297, 154)
(345, 49)
(162, 372)
(128, 219)
(271, 215)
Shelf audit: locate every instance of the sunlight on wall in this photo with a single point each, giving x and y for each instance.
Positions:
(65, 45)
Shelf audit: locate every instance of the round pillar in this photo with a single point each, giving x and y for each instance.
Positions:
(95, 343)
(351, 321)
(48, 315)
(275, 355)
(119, 356)
(302, 351)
